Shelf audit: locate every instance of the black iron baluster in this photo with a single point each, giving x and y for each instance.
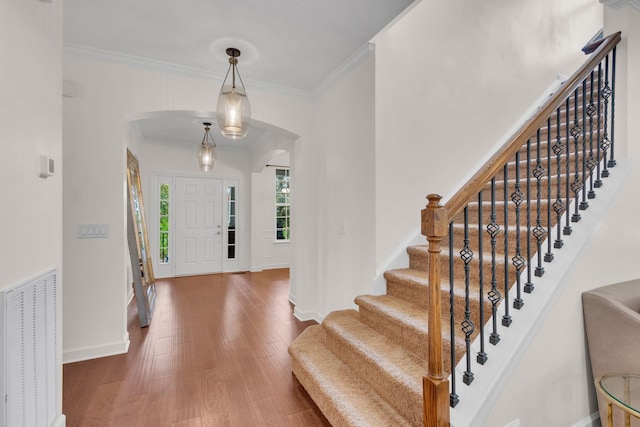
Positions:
(494, 295)
(558, 205)
(548, 257)
(591, 162)
(612, 161)
(482, 355)
(528, 287)
(518, 261)
(584, 204)
(506, 318)
(567, 224)
(576, 186)
(453, 396)
(538, 232)
(467, 324)
(606, 142)
(598, 182)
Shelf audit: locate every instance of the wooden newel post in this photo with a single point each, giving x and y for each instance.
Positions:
(435, 385)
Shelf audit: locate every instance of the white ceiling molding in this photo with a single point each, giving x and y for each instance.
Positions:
(617, 4)
(355, 59)
(152, 64)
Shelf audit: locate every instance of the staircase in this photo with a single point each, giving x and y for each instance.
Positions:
(366, 367)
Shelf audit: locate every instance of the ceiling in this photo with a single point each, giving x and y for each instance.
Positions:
(290, 46)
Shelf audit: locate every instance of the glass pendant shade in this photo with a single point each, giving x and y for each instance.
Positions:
(206, 157)
(233, 110)
(207, 152)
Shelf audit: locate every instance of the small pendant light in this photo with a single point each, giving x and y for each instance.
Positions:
(207, 152)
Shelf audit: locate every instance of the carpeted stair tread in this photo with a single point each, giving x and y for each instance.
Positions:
(335, 388)
(400, 311)
(413, 286)
(419, 280)
(399, 373)
(473, 207)
(404, 323)
(422, 251)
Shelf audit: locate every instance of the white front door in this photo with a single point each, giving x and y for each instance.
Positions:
(198, 226)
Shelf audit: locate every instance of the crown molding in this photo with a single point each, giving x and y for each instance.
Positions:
(617, 4)
(358, 56)
(152, 64)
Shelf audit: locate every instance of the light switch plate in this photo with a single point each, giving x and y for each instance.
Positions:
(93, 231)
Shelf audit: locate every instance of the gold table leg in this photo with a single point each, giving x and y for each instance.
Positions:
(610, 414)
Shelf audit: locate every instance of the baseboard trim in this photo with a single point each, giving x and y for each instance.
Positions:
(304, 316)
(88, 353)
(591, 421)
(59, 421)
(399, 258)
(270, 267)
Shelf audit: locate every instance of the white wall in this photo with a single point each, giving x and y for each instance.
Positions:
(553, 385)
(343, 134)
(94, 193)
(96, 135)
(452, 77)
(30, 125)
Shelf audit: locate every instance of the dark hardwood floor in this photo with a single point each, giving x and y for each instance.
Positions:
(215, 354)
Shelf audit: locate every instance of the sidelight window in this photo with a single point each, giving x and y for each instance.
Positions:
(283, 208)
(164, 224)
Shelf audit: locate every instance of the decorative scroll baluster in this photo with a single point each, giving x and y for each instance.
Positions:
(494, 295)
(584, 204)
(482, 355)
(576, 131)
(467, 324)
(538, 232)
(612, 161)
(435, 384)
(518, 261)
(506, 318)
(558, 205)
(567, 225)
(591, 162)
(548, 257)
(453, 396)
(598, 182)
(528, 287)
(605, 144)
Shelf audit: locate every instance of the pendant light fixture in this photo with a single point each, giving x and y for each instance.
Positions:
(207, 152)
(234, 112)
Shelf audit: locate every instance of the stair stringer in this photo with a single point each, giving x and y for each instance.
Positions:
(477, 399)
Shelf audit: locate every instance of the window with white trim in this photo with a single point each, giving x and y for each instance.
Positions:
(283, 208)
(164, 224)
(231, 222)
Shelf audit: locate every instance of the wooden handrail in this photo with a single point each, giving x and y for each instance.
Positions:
(459, 200)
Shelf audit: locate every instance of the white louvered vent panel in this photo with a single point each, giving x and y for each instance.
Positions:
(31, 370)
